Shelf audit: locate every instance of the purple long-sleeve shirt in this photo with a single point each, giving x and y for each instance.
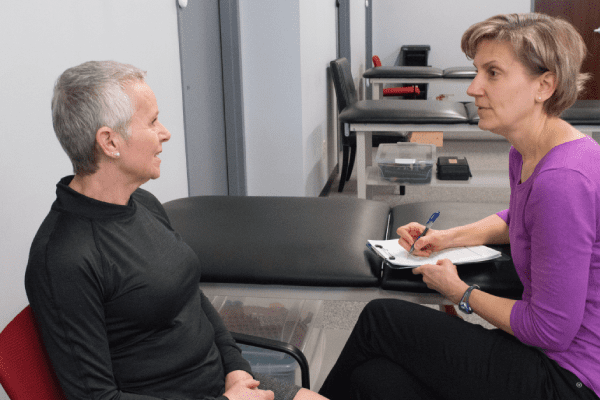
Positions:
(554, 228)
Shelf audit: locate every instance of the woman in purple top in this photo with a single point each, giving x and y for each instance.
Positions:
(547, 345)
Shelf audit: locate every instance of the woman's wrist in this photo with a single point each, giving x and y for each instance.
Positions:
(450, 238)
(459, 292)
(232, 377)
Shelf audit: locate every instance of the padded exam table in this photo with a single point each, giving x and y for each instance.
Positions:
(453, 80)
(315, 248)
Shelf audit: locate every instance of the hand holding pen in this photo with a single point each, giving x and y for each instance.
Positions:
(411, 229)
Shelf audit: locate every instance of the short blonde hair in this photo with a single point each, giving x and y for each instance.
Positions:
(542, 43)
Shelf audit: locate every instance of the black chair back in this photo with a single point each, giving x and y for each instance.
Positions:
(343, 83)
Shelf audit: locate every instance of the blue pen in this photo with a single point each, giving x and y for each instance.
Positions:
(427, 226)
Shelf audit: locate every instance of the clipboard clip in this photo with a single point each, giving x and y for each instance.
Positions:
(381, 252)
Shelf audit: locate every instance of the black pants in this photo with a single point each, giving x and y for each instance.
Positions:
(400, 350)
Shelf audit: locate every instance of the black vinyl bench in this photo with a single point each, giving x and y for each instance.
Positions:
(300, 243)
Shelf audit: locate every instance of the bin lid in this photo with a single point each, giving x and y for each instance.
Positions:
(405, 153)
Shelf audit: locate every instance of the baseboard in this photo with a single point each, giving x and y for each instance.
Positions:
(329, 183)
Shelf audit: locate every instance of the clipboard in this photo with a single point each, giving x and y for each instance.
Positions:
(398, 258)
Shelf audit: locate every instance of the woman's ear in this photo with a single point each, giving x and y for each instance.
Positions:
(547, 85)
(109, 142)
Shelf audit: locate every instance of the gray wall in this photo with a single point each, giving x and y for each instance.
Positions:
(286, 49)
(438, 23)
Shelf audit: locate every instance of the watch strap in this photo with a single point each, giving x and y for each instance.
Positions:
(464, 305)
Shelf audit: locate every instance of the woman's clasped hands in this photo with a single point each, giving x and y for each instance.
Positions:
(240, 385)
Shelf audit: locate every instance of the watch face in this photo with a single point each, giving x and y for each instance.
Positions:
(465, 307)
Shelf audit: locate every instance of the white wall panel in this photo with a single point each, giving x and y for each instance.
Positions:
(40, 39)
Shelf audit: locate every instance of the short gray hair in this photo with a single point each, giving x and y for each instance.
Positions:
(542, 43)
(86, 98)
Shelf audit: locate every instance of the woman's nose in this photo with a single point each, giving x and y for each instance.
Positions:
(165, 135)
(474, 88)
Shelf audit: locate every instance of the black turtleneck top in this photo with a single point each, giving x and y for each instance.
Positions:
(116, 294)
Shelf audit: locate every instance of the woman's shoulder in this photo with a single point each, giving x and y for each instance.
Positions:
(571, 170)
(64, 229)
(63, 243)
(581, 156)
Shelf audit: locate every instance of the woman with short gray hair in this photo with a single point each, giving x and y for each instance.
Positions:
(114, 290)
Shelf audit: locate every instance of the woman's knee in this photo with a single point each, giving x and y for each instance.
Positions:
(377, 305)
(384, 308)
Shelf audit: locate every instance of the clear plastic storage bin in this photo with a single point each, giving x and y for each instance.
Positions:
(269, 362)
(287, 320)
(406, 162)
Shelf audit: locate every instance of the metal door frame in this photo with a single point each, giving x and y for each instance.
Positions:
(233, 96)
(233, 107)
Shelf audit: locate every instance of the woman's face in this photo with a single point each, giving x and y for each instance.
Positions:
(504, 91)
(139, 155)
